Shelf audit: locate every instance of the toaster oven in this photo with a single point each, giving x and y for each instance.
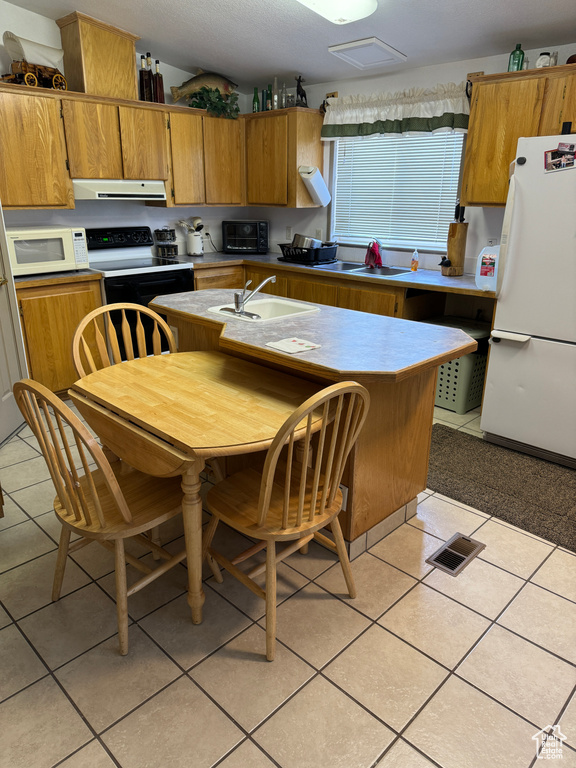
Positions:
(245, 236)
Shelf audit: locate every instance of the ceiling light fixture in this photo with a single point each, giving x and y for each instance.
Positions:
(342, 11)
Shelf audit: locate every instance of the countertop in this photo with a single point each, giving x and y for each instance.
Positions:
(55, 278)
(428, 279)
(353, 344)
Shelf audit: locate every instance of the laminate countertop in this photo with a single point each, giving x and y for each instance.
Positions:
(353, 344)
(426, 279)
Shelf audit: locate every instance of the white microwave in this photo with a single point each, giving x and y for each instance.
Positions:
(37, 250)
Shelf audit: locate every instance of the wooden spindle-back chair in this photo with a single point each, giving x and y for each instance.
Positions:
(96, 343)
(95, 501)
(296, 494)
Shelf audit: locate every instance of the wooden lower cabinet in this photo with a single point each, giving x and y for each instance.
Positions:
(383, 301)
(313, 290)
(256, 275)
(218, 277)
(49, 315)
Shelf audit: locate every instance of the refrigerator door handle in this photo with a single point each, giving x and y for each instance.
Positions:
(498, 336)
(505, 235)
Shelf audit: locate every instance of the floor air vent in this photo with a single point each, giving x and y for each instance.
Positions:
(455, 554)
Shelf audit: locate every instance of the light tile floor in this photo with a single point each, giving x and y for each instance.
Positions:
(422, 669)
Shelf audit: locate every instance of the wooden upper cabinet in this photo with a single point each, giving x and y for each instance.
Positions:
(500, 114)
(93, 140)
(223, 160)
(277, 144)
(33, 171)
(267, 160)
(144, 143)
(187, 145)
(559, 105)
(504, 108)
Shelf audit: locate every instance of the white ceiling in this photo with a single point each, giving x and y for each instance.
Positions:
(250, 41)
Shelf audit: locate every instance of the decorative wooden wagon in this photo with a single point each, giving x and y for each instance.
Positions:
(44, 73)
(24, 73)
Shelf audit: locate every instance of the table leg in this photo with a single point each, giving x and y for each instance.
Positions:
(192, 518)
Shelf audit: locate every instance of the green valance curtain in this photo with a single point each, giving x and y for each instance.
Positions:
(418, 110)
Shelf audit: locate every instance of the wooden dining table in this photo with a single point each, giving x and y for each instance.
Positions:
(166, 415)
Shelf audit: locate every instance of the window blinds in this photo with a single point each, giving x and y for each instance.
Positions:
(399, 189)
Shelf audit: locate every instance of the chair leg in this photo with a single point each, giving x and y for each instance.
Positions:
(206, 542)
(343, 555)
(61, 562)
(270, 600)
(155, 539)
(121, 596)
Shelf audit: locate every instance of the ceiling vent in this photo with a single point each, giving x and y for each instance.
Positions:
(367, 54)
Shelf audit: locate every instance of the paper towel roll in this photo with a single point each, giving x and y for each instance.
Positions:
(315, 184)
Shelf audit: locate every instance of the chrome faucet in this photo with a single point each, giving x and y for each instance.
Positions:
(240, 298)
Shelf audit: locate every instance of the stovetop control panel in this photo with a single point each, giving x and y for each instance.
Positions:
(118, 237)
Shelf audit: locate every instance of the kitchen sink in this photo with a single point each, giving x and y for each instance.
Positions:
(267, 309)
(340, 266)
(383, 271)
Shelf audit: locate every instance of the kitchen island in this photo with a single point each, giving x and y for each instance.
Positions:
(397, 360)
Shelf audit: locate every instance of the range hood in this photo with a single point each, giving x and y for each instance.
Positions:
(118, 189)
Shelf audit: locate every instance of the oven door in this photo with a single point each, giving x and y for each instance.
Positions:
(142, 289)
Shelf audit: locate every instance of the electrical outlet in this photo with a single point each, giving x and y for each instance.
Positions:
(492, 241)
(288, 233)
(319, 234)
(332, 95)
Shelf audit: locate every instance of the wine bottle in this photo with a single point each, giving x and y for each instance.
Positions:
(256, 101)
(142, 79)
(148, 85)
(158, 85)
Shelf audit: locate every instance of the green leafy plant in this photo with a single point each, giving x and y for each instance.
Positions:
(214, 103)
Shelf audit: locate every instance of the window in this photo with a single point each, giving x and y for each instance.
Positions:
(399, 189)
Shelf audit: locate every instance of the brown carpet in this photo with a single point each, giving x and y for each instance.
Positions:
(535, 495)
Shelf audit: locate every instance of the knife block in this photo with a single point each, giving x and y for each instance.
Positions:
(456, 249)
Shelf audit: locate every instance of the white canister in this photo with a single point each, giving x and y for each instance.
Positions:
(194, 245)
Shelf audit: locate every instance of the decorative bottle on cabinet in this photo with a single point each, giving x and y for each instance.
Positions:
(255, 101)
(516, 59)
(158, 83)
(145, 87)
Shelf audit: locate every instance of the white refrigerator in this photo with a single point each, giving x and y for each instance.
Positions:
(530, 394)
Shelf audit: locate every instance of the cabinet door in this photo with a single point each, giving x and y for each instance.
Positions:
(559, 105)
(223, 161)
(50, 316)
(93, 140)
(499, 115)
(144, 143)
(279, 288)
(218, 277)
(312, 290)
(379, 302)
(267, 160)
(187, 146)
(33, 170)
